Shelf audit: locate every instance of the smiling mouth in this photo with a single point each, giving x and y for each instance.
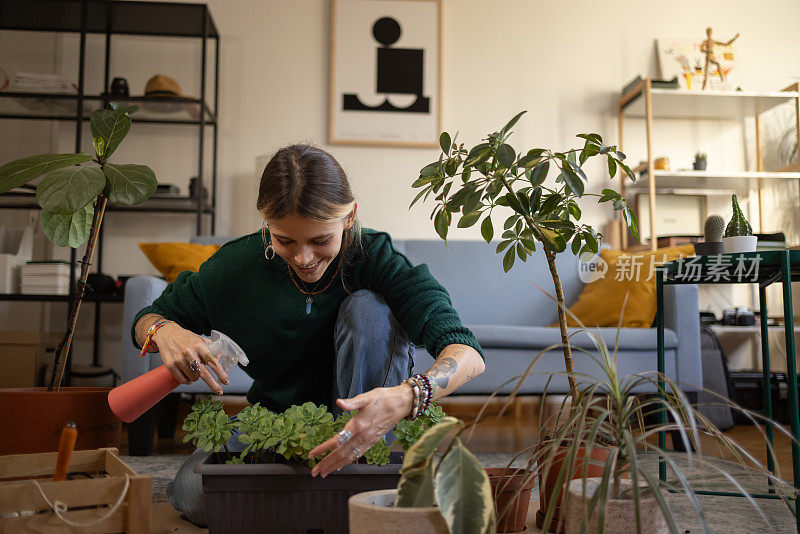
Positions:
(308, 268)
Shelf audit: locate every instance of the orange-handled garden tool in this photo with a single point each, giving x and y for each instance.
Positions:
(66, 444)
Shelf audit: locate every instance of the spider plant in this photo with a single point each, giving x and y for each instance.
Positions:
(610, 414)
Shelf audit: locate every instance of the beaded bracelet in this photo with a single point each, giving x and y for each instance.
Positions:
(427, 396)
(148, 341)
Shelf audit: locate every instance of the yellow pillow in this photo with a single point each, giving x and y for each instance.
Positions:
(627, 273)
(171, 259)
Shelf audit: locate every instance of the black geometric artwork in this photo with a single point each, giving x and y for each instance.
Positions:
(399, 71)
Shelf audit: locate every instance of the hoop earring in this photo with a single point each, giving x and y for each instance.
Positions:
(269, 250)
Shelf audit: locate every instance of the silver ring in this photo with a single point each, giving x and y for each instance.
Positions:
(356, 452)
(344, 436)
(194, 365)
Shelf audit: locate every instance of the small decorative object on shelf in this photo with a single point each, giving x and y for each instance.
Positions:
(700, 161)
(707, 48)
(661, 164)
(713, 229)
(738, 234)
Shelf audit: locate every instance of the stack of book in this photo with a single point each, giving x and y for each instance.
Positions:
(45, 278)
(32, 82)
(774, 241)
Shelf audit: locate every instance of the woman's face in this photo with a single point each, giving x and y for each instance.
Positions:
(308, 245)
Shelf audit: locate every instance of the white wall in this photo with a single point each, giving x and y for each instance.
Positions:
(563, 61)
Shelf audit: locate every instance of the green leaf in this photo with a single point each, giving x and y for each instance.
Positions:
(112, 126)
(451, 167)
(535, 199)
(129, 185)
(609, 194)
(632, 221)
(526, 162)
(521, 252)
(415, 489)
(508, 259)
(550, 203)
(463, 492)
(444, 142)
(422, 450)
(574, 210)
(68, 189)
(487, 230)
(431, 170)
(22, 171)
(502, 246)
(539, 173)
(505, 155)
(99, 146)
(469, 219)
(478, 154)
(612, 167)
(69, 230)
(512, 122)
(513, 201)
(441, 222)
(576, 244)
(572, 180)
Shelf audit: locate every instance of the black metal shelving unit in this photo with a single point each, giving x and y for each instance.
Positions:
(109, 18)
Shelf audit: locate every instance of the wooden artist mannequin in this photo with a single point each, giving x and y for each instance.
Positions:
(707, 47)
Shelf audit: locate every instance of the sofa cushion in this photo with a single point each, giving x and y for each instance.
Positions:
(539, 337)
(630, 275)
(171, 259)
(472, 272)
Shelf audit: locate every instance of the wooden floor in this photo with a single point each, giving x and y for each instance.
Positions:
(514, 431)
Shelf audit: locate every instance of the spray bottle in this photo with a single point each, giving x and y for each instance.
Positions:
(132, 399)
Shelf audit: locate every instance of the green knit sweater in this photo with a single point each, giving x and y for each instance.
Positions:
(252, 300)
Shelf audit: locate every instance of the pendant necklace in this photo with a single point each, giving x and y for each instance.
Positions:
(309, 294)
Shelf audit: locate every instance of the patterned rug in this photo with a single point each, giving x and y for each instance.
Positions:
(724, 514)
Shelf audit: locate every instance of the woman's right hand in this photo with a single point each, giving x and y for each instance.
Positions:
(179, 348)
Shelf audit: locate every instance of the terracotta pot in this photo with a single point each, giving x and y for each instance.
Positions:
(512, 494)
(374, 511)
(31, 419)
(620, 516)
(547, 487)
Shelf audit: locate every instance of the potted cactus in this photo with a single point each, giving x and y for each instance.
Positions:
(738, 234)
(712, 244)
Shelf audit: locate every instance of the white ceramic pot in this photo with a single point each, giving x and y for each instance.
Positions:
(739, 243)
(620, 517)
(374, 511)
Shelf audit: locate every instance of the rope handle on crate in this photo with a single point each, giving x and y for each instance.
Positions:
(59, 507)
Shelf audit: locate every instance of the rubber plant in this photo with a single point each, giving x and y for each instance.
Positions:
(492, 175)
(73, 193)
(457, 483)
(738, 225)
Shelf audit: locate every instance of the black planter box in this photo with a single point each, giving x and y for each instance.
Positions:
(748, 387)
(285, 498)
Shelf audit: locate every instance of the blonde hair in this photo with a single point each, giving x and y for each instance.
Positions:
(306, 181)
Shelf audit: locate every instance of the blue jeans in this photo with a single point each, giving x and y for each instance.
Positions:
(372, 350)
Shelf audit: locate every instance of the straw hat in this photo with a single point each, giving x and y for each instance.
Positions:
(161, 85)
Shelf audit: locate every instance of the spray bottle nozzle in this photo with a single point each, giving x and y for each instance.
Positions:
(226, 350)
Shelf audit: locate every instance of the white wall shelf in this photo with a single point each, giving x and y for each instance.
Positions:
(708, 181)
(682, 104)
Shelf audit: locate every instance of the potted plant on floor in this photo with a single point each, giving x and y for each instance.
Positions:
(73, 193)
(738, 234)
(629, 495)
(452, 496)
(492, 175)
(273, 471)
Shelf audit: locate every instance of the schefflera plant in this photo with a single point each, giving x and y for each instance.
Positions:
(73, 194)
(457, 483)
(472, 183)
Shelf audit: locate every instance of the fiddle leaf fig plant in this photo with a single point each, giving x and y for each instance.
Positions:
(73, 194)
(471, 184)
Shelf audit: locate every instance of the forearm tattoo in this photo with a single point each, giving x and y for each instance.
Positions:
(442, 370)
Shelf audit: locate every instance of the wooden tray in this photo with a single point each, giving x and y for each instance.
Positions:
(88, 500)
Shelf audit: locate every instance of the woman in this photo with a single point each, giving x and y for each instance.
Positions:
(325, 313)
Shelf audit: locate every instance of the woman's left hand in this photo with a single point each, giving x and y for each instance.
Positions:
(379, 410)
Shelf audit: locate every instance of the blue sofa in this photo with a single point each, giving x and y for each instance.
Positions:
(509, 316)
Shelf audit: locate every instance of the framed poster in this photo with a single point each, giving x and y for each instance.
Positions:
(385, 67)
(685, 59)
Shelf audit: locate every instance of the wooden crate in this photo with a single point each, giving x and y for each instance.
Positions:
(88, 500)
